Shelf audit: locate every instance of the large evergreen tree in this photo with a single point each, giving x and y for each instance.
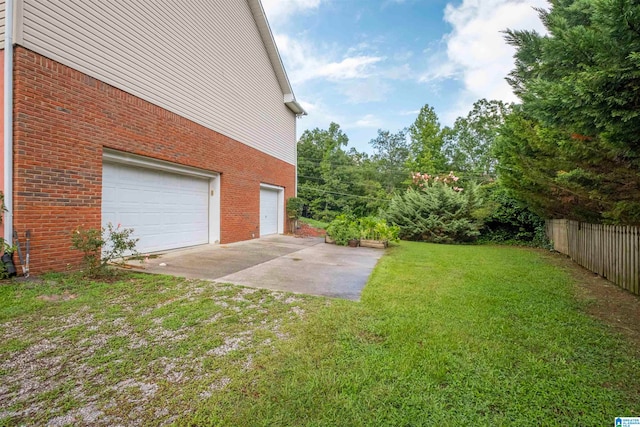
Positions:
(573, 148)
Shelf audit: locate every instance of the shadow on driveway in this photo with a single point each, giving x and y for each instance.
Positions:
(283, 263)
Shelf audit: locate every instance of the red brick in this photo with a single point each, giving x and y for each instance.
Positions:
(62, 121)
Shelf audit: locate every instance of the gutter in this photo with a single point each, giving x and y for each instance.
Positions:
(290, 101)
(8, 120)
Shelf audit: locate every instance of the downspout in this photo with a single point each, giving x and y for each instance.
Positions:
(8, 120)
(295, 133)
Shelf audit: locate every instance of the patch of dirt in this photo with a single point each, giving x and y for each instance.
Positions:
(66, 296)
(607, 302)
(305, 230)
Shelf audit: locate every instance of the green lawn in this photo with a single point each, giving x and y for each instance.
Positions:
(314, 222)
(444, 335)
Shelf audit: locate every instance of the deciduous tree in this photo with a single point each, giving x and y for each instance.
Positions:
(469, 143)
(426, 135)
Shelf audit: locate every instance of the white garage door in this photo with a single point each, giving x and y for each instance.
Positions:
(268, 211)
(166, 210)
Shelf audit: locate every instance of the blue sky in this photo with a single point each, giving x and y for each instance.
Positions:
(372, 64)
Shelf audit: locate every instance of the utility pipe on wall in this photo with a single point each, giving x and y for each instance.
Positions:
(8, 120)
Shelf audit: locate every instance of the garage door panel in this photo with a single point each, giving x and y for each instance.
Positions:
(165, 210)
(268, 211)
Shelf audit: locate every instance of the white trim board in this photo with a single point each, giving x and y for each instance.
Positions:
(115, 156)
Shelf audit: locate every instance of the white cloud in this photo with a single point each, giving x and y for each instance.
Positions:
(367, 121)
(349, 68)
(409, 113)
(360, 48)
(308, 106)
(278, 10)
(476, 53)
(304, 63)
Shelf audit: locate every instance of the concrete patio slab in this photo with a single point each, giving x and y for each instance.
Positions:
(327, 270)
(284, 263)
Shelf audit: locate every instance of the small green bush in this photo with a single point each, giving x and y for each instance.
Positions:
(101, 247)
(343, 228)
(373, 228)
(347, 227)
(294, 207)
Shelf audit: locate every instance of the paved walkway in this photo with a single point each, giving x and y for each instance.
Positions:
(285, 263)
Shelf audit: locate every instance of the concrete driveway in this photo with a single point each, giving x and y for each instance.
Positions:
(284, 263)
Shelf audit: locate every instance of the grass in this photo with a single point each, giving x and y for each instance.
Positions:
(444, 335)
(314, 222)
(144, 349)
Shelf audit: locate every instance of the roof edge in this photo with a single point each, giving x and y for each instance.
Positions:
(274, 56)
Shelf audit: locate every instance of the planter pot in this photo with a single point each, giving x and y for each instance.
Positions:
(378, 244)
(354, 243)
(328, 239)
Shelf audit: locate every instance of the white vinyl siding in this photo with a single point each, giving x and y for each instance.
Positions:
(2, 23)
(204, 60)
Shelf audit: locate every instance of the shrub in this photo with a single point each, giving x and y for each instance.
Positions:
(294, 210)
(347, 227)
(374, 228)
(104, 246)
(510, 221)
(294, 207)
(437, 209)
(343, 228)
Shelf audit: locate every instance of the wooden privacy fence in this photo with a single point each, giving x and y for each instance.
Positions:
(612, 251)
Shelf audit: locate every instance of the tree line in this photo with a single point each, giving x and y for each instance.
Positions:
(570, 148)
(333, 180)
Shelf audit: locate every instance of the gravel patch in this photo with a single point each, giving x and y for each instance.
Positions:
(86, 367)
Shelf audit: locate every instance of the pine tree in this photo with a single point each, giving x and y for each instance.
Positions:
(576, 138)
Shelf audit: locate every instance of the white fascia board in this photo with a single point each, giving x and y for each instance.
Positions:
(271, 187)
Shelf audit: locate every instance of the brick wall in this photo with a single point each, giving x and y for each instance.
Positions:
(64, 118)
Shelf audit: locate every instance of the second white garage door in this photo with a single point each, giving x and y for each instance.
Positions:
(268, 211)
(166, 210)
